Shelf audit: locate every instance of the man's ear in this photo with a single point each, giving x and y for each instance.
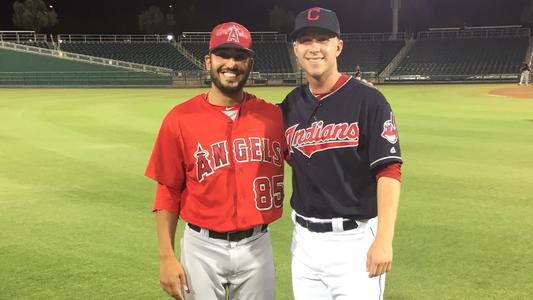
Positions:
(340, 45)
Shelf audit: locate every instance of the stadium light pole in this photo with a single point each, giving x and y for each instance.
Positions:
(395, 5)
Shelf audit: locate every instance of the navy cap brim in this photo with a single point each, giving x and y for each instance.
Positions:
(293, 35)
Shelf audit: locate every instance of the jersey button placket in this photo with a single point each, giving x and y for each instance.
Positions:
(314, 118)
(237, 172)
(315, 111)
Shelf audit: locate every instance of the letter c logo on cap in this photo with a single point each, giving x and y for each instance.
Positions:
(313, 14)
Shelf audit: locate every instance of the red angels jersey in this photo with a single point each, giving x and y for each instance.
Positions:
(228, 174)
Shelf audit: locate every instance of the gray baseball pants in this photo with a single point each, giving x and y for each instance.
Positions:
(219, 269)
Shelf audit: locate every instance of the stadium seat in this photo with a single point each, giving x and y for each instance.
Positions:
(147, 53)
(270, 56)
(371, 56)
(469, 56)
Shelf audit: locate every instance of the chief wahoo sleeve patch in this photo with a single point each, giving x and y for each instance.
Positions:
(390, 132)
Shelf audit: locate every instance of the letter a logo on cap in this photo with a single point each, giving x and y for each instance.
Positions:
(233, 35)
(230, 35)
(313, 14)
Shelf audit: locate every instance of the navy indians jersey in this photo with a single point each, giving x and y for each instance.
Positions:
(336, 145)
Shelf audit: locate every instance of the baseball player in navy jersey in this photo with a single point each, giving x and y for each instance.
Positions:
(345, 156)
(218, 163)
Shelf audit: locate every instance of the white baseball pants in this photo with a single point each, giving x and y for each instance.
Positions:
(332, 265)
(524, 78)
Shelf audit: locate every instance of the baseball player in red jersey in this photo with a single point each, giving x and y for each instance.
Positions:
(218, 163)
(345, 158)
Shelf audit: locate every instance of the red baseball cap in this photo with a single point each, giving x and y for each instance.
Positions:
(231, 35)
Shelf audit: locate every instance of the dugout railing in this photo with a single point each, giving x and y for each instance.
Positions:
(487, 32)
(257, 36)
(22, 36)
(114, 38)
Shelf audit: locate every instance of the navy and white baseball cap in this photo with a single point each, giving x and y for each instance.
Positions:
(316, 17)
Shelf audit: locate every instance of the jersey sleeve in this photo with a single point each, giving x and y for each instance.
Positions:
(166, 165)
(384, 141)
(393, 170)
(166, 198)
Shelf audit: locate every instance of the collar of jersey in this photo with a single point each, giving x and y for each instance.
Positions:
(343, 79)
(220, 108)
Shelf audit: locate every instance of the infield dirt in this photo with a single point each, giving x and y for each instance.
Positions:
(524, 92)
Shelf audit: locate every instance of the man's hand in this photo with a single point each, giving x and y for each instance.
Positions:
(379, 258)
(368, 83)
(172, 277)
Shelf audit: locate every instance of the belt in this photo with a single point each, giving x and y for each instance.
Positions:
(231, 236)
(324, 227)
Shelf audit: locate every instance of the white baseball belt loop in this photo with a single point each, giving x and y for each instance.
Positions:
(337, 224)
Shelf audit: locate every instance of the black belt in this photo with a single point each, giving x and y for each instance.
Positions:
(231, 236)
(324, 227)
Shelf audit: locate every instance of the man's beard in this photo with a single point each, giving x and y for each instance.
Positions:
(230, 90)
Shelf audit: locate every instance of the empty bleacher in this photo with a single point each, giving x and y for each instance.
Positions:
(272, 57)
(197, 48)
(462, 54)
(468, 56)
(481, 53)
(271, 50)
(161, 54)
(22, 68)
(371, 56)
(38, 44)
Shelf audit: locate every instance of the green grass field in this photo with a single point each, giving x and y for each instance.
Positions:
(75, 220)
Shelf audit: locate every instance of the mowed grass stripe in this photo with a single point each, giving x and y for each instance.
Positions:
(75, 208)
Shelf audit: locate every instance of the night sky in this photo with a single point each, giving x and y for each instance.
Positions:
(120, 16)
